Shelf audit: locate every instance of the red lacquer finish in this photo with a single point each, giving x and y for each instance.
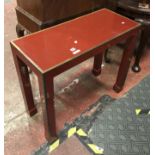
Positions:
(63, 42)
(54, 50)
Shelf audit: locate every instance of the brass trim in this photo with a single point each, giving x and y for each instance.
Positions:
(47, 70)
(71, 21)
(101, 44)
(30, 60)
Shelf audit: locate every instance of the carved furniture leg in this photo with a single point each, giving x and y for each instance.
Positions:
(140, 49)
(25, 85)
(125, 63)
(46, 87)
(106, 59)
(97, 64)
(19, 31)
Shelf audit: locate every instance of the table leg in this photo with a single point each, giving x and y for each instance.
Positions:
(97, 64)
(25, 85)
(140, 50)
(19, 31)
(106, 59)
(46, 87)
(125, 63)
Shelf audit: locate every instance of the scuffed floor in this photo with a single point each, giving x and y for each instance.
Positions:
(75, 90)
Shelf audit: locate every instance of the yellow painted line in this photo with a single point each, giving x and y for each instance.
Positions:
(54, 145)
(80, 132)
(71, 132)
(138, 111)
(96, 149)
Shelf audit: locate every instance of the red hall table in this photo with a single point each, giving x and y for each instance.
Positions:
(54, 50)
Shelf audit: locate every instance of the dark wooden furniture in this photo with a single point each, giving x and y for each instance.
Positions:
(34, 15)
(131, 9)
(78, 43)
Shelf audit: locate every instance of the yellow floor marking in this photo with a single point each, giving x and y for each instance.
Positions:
(96, 149)
(54, 145)
(71, 131)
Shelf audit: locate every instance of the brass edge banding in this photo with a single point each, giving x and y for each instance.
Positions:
(71, 21)
(121, 16)
(47, 70)
(59, 24)
(30, 60)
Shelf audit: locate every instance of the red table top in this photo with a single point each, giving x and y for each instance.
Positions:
(53, 46)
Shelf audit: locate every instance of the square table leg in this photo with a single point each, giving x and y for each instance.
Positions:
(125, 63)
(25, 85)
(46, 87)
(97, 64)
